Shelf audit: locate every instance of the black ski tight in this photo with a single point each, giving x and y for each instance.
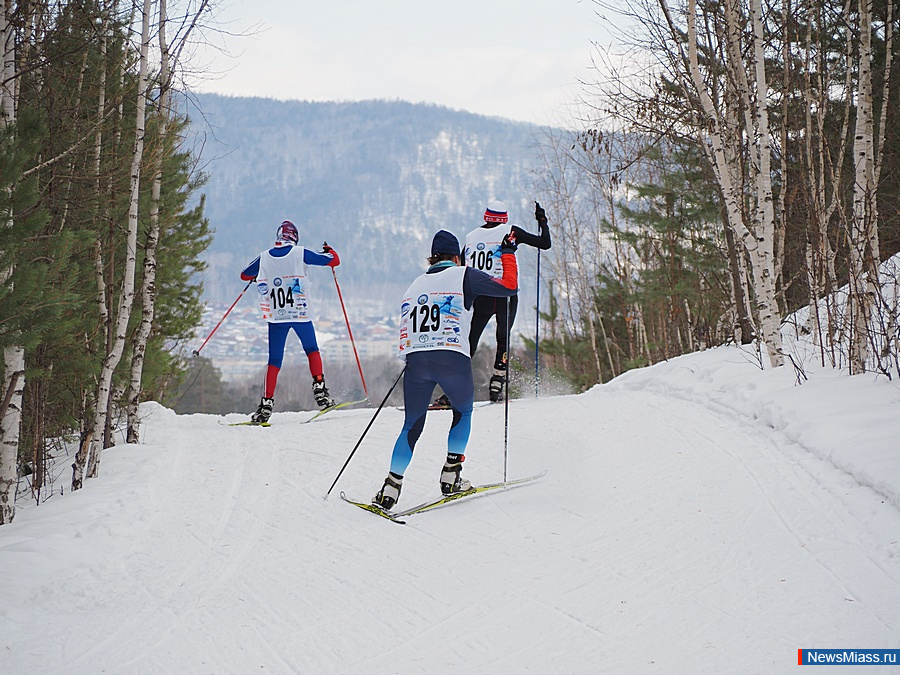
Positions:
(483, 309)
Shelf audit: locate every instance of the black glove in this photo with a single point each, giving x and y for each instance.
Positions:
(509, 245)
(540, 215)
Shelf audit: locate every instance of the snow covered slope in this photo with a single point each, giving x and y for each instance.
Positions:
(699, 516)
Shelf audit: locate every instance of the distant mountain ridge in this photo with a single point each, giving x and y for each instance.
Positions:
(375, 179)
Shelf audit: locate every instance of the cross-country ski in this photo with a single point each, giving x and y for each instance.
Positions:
(473, 491)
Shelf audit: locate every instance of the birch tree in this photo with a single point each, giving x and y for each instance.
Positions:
(823, 169)
(148, 283)
(90, 465)
(863, 239)
(757, 236)
(13, 356)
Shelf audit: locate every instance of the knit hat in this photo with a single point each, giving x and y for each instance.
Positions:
(444, 243)
(287, 233)
(495, 212)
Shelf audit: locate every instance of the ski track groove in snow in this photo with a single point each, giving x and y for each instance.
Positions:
(222, 550)
(812, 493)
(670, 535)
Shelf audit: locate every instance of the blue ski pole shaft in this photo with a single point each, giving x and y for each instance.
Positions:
(506, 398)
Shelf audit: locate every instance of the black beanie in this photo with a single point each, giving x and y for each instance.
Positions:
(444, 243)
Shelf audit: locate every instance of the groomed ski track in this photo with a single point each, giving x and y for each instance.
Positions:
(668, 536)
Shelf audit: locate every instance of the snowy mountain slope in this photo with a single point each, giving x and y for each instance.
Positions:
(376, 179)
(692, 521)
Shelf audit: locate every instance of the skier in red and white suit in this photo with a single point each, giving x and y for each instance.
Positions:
(280, 275)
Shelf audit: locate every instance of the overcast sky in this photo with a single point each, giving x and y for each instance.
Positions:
(518, 59)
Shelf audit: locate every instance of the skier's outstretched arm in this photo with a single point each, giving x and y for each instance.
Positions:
(542, 240)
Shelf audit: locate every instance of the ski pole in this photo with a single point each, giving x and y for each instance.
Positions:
(369, 426)
(350, 332)
(197, 351)
(506, 396)
(537, 323)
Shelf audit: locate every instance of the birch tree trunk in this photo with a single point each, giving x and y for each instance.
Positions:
(716, 150)
(148, 288)
(769, 314)
(126, 297)
(13, 357)
(725, 164)
(863, 243)
(825, 176)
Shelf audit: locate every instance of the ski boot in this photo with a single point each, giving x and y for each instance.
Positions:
(440, 403)
(389, 493)
(451, 481)
(498, 380)
(320, 392)
(263, 412)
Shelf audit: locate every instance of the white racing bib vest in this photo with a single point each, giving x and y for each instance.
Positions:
(432, 315)
(281, 285)
(483, 249)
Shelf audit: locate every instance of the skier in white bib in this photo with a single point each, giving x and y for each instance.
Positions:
(483, 253)
(280, 274)
(435, 316)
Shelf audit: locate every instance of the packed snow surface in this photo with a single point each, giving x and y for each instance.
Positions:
(702, 515)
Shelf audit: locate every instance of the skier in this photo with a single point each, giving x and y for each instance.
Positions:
(280, 275)
(483, 253)
(435, 316)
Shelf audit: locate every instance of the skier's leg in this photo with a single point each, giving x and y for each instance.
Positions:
(455, 377)
(454, 373)
(482, 311)
(505, 318)
(307, 334)
(277, 336)
(418, 386)
(271, 380)
(504, 329)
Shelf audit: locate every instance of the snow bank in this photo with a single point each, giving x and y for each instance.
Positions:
(853, 422)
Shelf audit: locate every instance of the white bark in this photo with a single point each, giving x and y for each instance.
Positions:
(101, 108)
(764, 274)
(13, 382)
(148, 288)
(825, 177)
(126, 296)
(863, 232)
(758, 238)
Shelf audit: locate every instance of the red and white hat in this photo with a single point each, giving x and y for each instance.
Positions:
(495, 212)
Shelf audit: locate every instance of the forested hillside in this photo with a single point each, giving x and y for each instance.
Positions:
(375, 179)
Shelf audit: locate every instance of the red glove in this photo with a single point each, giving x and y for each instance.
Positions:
(335, 259)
